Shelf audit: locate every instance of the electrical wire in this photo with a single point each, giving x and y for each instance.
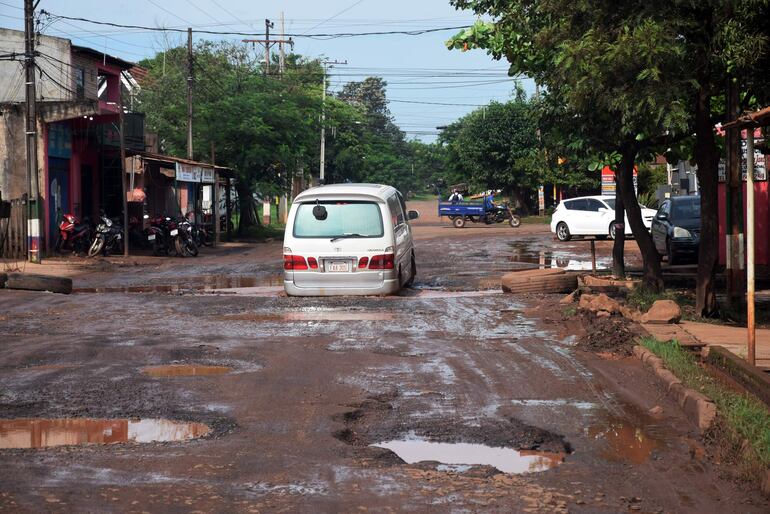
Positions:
(203, 11)
(334, 16)
(416, 32)
(161, 8)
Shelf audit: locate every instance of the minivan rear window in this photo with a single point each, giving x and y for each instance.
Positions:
(344, 218)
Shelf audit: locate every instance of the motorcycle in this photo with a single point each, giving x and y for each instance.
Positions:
(184, 242)
(73, 235)
(109, 238)
(502, 213)
(151, 237)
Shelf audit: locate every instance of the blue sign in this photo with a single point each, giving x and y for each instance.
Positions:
(59, 140)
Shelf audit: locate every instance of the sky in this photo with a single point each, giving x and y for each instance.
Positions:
(420, 71)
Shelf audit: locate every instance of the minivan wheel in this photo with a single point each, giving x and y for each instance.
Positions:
(414, 274)
(562, 232)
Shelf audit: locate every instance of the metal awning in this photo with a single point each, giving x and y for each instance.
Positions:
(760, 118)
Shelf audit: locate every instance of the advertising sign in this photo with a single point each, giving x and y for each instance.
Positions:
(608, 181)
(207, 175)
(541, 198)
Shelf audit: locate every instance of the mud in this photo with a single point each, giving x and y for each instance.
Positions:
(46, 433)
(185, 370)
(290, 426)
(606, 334)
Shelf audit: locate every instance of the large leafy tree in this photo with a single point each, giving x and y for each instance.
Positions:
(264, 127)
(605, 62)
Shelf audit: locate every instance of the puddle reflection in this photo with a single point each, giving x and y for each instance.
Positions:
(454, 456)
(198, 283)
(524, 254)
(45, 433)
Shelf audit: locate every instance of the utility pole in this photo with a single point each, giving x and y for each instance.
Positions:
(322, 166)
(33, 220)
(734, 244)
(281, 49)
(750, 245)
(121, 120)
(189, 94)
(267, 43)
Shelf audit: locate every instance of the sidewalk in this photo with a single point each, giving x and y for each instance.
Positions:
(734, 339)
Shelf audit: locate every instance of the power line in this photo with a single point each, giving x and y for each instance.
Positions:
(153, 3)
(434, 103)
(334, 16)
(416, 32)
(203, 11)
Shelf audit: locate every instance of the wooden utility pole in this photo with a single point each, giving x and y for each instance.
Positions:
(281, 49)
(189, 94)
(33, 220)
(322, 164)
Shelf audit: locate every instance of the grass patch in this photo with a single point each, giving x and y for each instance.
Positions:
(570, 311)
(642, 298)
(422, 197)
(536, 220)
(744, 428)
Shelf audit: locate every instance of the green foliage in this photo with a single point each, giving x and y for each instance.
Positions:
(748, 419)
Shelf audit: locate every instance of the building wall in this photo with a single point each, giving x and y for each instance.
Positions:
(53, 81)
(13, 152)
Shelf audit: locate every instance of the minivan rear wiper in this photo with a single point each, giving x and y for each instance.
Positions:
(346, 236)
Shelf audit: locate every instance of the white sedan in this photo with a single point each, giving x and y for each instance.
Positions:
(590, 216)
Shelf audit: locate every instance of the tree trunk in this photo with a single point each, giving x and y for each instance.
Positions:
(248, 213)
(618, 248)
(707, 157)
(653, 278)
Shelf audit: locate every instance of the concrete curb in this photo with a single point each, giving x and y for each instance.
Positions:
(700, 410)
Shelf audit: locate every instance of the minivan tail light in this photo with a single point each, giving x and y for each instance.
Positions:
(384, 261)
(312, 262)
(294, 262)
(363, 262)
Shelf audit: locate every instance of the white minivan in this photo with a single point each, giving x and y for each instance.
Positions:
(348, 239)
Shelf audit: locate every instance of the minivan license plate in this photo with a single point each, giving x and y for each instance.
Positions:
(338, 266)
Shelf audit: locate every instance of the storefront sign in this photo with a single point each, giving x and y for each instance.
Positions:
(760, 168)
(207, 175)
(188, 172)
(541, 198)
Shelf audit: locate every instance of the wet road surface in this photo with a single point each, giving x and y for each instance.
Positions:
(312, 392)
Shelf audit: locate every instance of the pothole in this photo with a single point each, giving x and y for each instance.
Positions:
(46, 433)
(185, 370)
(198, 283)
(461, 456)
(625, 442)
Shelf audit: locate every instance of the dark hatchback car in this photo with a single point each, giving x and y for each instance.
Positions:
(676, 228)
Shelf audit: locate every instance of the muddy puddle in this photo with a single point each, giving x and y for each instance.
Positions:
(46, 433)
(522, 253)
(197, 283)
(461, 456)
(185, 370)
(315, 315)
(625, 442)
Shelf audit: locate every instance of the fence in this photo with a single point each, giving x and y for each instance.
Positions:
(13, 229)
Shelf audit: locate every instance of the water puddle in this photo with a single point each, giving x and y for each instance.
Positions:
(46, 433)
(524, 254)
(197, 283)
(625, 442)
(442, 293)
(314, 315)
(185, 370)
(459, 456)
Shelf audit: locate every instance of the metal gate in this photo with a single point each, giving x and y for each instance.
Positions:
(13, 229)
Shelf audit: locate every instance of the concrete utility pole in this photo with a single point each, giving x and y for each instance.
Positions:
(322, 165)
(267, 43)
(281, 49)
(33, 220)
(750, 317)
(189, 94)
(734, 243)
(121, 118)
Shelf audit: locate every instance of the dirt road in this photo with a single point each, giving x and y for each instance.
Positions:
(297, 394)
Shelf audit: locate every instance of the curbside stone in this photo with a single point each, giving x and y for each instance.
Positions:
(700, 410)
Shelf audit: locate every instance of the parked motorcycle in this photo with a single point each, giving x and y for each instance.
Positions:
(152, 237)
(109, 238)
(73, 235)
(184, 242)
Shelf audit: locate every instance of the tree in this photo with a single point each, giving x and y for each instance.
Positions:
(606, 63)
